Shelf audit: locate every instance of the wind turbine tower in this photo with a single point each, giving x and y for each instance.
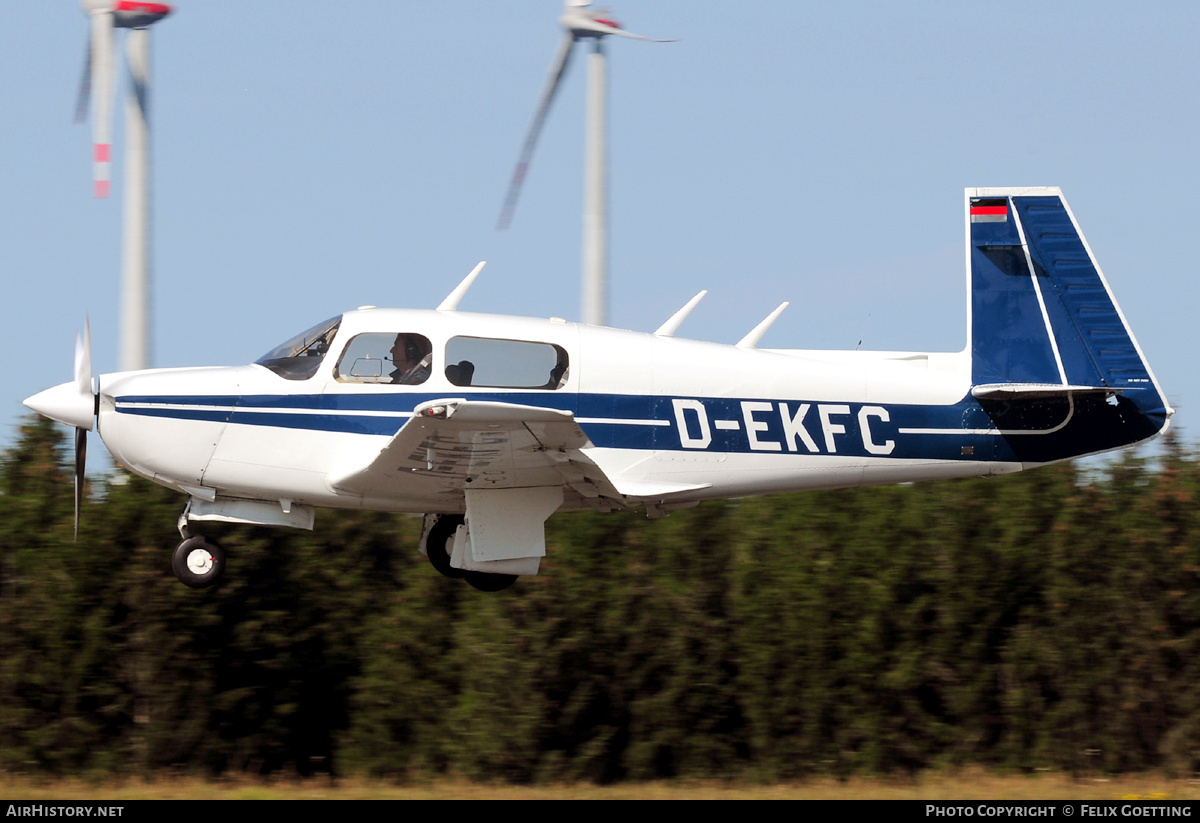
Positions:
(581, 23)
(99, 81)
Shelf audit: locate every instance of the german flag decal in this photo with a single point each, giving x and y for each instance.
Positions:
(989, 210)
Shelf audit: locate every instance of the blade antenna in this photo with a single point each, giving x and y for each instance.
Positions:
(553, 81)
(672, 325)
(453, 298)
(750, 341)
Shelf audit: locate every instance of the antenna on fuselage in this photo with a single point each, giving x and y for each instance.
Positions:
(751, 340)
(672, 325)
(451, 301)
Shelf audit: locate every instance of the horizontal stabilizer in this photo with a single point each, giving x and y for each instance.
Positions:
(1035, 391)
(642, 490)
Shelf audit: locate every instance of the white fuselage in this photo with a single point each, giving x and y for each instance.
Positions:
(699, 420)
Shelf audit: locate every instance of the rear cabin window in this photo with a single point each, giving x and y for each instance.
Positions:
(398, 358)
(505, 364)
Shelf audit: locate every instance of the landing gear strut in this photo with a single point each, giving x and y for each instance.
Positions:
(198, 562)
(437, 548)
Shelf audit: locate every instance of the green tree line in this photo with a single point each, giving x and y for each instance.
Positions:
(1048, 619)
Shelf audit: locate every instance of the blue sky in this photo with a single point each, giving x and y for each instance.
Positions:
(313, 157)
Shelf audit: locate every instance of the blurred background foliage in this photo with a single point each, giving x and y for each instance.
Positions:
(1045, 620)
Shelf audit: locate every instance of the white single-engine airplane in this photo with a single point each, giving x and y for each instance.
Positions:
(489, 424)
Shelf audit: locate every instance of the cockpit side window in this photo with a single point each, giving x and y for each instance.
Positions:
(299, 358)
(401, 358)
(505, 364)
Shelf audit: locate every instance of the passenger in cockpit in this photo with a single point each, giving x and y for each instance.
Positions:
(412, 357)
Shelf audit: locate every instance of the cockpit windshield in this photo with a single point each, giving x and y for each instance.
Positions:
(299, 358)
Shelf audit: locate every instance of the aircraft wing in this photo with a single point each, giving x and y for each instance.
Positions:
(455, 443)
(471, 444)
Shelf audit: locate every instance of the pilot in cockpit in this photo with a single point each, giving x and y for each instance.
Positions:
(411, 355)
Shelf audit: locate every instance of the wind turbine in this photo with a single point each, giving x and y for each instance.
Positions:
(99, 80)
(581, 22)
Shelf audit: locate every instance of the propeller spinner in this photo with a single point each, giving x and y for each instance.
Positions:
(75, 404)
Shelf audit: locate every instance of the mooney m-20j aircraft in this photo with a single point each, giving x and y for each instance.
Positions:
(489, 424)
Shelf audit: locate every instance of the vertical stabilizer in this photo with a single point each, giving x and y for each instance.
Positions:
(1043, 321)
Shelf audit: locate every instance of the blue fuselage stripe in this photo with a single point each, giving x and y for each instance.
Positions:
(965, 430)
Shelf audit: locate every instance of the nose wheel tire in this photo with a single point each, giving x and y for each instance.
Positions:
(198, 562)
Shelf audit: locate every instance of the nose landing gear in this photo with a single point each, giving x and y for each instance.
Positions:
(198, 562)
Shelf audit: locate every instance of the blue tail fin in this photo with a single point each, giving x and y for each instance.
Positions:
(1043, 322)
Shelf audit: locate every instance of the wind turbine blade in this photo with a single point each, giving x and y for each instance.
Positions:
(601, 27)
(557, 69)
(85, 83)
(103, 81)
(580, 17)
(632, 36)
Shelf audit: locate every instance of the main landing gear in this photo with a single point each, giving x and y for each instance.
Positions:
(437, 548)
(198, 562)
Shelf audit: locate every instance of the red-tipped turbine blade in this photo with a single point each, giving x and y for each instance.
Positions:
(580, 18)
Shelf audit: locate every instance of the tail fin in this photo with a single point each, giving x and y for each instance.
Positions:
(1043, 322)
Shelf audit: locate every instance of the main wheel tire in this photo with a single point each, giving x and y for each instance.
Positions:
(435, 544)
(198, 562)
(489, 582)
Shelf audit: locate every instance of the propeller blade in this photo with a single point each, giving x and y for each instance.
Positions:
(85, 83)
(83, 360)
(80, 463)
(103, 81)
(553, 80)
(83, 385)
